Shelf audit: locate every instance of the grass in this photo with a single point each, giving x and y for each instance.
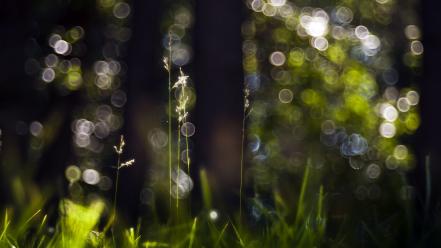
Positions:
(167, 66)
(182, 113)
(119, 150)
(299, 219)
(83, 225)
(246, 105)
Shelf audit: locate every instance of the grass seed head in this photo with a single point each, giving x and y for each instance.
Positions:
(127, 163)
(166, 64)
(120, 149)
(246, 94)
(183, 99)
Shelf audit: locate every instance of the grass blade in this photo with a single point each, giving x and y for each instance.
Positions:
(238, 235)
(193, 233)
(301, 204)
(205, 187)
(219, 239)
(5, 226)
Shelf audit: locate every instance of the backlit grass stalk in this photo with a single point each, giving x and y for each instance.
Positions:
(181, 110)
(246, 106)
(119, 150)
(178, 157)
(167, 66)
(187, 152)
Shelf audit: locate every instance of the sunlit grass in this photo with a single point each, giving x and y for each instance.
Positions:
(81, 225)
(298, 222)
(119, 150)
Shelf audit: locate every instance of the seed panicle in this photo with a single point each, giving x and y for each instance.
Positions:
(166, 64)
(127, 163)
(183, 99)
(120, 149)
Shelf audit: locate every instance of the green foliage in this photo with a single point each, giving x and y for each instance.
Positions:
(77, 223)
(79, 226)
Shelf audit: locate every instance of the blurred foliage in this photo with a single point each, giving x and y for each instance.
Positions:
(325, 86)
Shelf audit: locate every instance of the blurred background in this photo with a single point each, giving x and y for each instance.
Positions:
(69, 93)
(350, 87)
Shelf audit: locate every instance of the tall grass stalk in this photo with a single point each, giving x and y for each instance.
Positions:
(115, 196)
(167, 66)
(179, 167)
(181, 110)
(187, 153)
(246, 105)
(241, 167)
(119, 150)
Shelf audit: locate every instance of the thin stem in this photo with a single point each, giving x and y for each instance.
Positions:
(187, 151)
(115, 197)
(187, 154)
(169, 120)
(179, 168)
(241, 166)
(246, 105)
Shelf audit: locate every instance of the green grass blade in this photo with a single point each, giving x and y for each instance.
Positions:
(238, 235)
(205, 188)
(5, 226)
(193, 233)
(219, 239)
(301, 203)
(30, 218)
